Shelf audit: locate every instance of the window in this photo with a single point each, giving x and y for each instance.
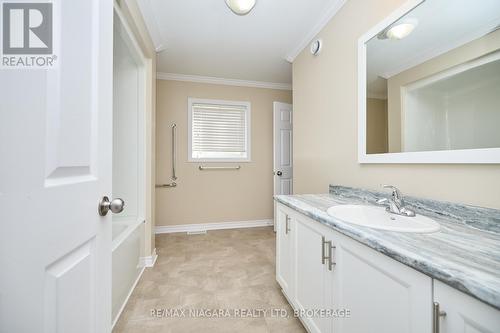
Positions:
(219, 131)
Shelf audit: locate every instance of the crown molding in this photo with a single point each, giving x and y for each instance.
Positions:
(223, 81)
(151, 24)
(323, 21)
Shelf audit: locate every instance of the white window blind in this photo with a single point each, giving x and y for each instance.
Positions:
(219, 130)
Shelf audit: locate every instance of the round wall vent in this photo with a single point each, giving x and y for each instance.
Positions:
(316, 47)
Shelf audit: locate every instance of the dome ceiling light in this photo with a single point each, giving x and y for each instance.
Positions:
(399, 30)
(241, 7)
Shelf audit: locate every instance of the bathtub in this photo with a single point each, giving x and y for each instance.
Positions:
(127, 247)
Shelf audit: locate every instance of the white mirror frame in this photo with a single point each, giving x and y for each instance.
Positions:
(463, 156)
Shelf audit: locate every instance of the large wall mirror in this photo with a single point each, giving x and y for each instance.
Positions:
(429, 79)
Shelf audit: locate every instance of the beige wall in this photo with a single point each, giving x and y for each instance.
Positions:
(325, 123)
(214, 196)
(376, 126)
(133, 15)
(460, 55)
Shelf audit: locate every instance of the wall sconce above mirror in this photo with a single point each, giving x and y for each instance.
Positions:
(429, 84)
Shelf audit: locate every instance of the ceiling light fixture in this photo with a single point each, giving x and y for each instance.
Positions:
(241, 7)
(399, 30)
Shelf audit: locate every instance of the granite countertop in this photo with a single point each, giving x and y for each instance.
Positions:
(464, 253)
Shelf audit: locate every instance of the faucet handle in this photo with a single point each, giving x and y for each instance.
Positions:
(382, 201)
(396, 204)
(396, 193)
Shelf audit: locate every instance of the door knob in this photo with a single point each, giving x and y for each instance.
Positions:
(279, 173)
(116, 206)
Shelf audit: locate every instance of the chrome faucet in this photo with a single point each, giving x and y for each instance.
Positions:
(396, 204)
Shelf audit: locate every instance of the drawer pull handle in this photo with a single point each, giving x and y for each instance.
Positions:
(324, 243)
(287, 224)
(437, 313)
(331, 263)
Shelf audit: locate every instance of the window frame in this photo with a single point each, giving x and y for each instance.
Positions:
(248, 131)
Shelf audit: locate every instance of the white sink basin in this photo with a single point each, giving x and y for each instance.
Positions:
(379, 218)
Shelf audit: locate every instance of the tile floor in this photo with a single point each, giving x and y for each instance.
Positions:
(224, 269)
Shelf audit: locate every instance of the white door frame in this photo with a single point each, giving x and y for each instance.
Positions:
(147, 132)
(141, 61)
(276, 108)
(144, 113)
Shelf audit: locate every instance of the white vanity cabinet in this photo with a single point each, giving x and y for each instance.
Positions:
(332, 271)
(462, 313)
(285, 251)
(382, 294)
(322, 269)
(313, 273)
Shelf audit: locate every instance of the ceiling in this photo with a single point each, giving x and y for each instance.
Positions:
(442, 26)
(205, 38)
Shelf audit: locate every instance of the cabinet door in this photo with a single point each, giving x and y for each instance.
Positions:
(464, 314)
(284, 249)
(382, 294)
(311, 274)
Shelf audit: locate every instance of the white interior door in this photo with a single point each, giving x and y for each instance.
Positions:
(283, 169)
(55, 151)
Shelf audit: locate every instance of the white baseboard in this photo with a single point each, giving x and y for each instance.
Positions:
(149, 261)
(167, 229)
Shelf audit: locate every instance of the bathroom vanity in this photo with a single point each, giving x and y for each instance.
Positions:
(423, 97)
(388, 281)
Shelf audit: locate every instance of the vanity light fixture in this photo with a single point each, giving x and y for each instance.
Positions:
(399, 30)
(240, 7)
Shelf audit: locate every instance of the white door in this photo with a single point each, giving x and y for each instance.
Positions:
(463, 313)
(284, 250)
(55, 165)
(283, 170)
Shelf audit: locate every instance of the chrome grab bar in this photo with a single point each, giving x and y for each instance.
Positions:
(174, 150)
(174, 160)
(201, 167)
(172, 184)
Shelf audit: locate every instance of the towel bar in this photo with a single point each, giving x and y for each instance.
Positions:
(201, 167)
